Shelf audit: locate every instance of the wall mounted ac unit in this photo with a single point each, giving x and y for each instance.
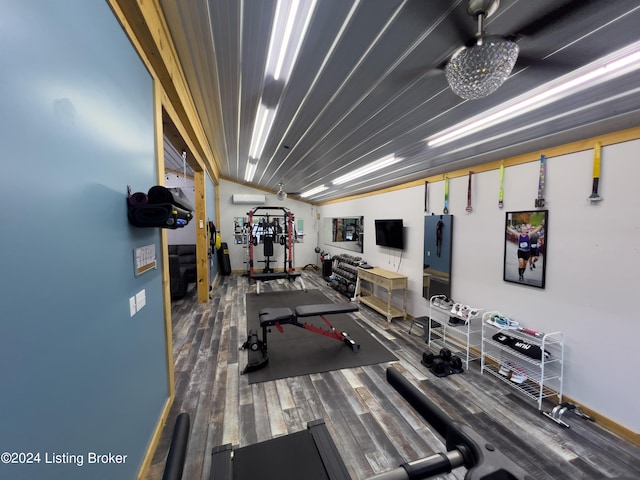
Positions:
(246, 199)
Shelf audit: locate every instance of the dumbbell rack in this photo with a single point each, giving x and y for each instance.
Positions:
(543, 377)
(462, 339)
(344, 272)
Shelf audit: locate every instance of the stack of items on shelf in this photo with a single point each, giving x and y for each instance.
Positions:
(344, 273)
(453, 326)
(530, 361)
(509, 369)
(462, 313)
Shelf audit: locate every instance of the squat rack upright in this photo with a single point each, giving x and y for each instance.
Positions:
(288, 270)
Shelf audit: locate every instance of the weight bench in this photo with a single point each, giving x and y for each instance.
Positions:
(265, 277)
(277, 317)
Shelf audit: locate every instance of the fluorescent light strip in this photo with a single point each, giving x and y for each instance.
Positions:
(250, 171)
(602, 70)
(284, 46)
(565, 113)
(311, 88)
(286, 36)
(314, 191)
(372, 167)
(261, 129)
(275, 43)
(296, 50)
(284, 23)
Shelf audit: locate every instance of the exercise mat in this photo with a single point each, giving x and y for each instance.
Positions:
(301, 352)
(160, 194)
(150, 215)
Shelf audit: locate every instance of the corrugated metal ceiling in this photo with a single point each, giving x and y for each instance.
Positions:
(368, 82)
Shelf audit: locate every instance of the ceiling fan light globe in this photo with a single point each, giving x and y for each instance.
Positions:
(478, 71)
(281, 195)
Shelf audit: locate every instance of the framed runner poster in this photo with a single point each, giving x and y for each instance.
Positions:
(525, 252)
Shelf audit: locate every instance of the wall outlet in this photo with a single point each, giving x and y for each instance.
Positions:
(141, 299)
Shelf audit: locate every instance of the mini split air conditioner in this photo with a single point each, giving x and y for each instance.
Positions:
(245, 199)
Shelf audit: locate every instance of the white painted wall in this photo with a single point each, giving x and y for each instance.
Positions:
(304, 252)
(593, 263)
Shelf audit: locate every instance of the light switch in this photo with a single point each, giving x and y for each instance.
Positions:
(132, 306)
(141, 299)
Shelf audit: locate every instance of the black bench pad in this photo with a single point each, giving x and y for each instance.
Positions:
(325, 309)
(275, 275)
(269, 316)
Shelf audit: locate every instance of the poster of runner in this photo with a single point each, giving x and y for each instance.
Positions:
(525, 259)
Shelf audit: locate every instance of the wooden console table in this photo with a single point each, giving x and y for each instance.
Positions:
(390, 281)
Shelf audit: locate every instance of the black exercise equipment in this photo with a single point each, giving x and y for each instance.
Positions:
(427, 358)
(272, 233)
(289, 457)
(174, 465)
(560, 409)
(443, 364)
(276, 317)
(160, 207)
(224, 263)
(312, 453)
(455, 362)
(464, 446)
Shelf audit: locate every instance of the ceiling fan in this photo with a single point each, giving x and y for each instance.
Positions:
(478, 70)
(481, 66)
(281, 194)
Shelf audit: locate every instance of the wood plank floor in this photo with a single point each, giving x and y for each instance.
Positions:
(373, 427)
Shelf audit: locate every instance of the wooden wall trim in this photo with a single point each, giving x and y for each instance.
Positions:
(155, 439)
(166, 295)
(202, 244)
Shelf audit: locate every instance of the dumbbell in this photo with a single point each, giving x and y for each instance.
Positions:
(427, 358)
(439, 366)
(445, 354)
(455, 362)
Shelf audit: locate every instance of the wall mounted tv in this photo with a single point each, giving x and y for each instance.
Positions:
(389, 233)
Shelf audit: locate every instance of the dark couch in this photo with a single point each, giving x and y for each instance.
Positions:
(182, 268)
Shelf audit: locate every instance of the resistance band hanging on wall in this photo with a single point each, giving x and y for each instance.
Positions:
(469, 209)
(446, 196)
(501, 190)
(541, 179)
(594, 198)
(426, 197)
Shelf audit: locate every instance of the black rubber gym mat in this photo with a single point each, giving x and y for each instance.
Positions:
(291, 457)
(300, 352)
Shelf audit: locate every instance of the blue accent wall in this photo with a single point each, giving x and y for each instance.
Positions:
(80, 375)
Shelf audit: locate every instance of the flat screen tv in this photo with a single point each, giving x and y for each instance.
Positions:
(389, 233)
